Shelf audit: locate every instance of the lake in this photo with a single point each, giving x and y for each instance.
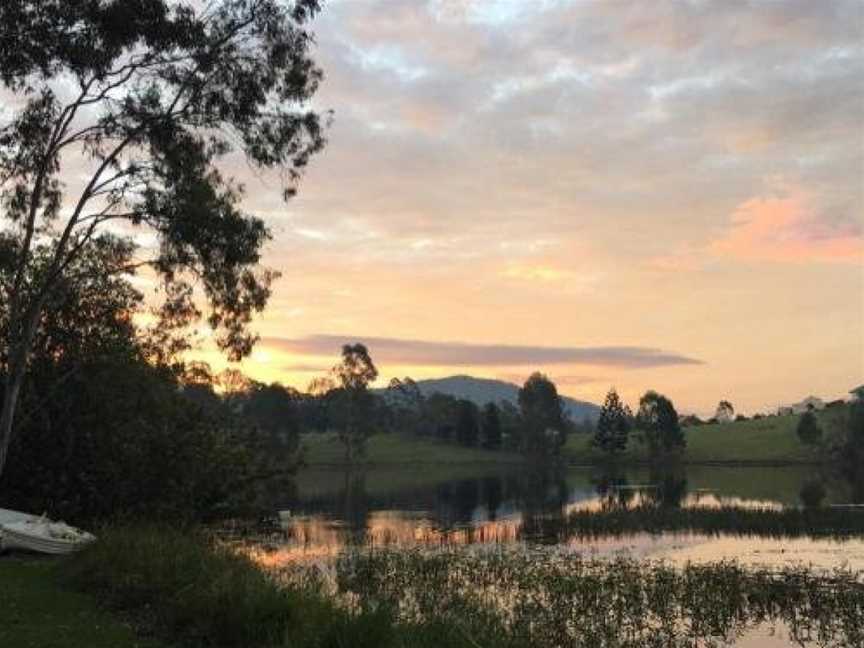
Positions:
(687, 515)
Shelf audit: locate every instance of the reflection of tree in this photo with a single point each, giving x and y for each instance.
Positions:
(492, 495)
(466, 499)
(544, 495)
(613, 488)
(671, 487)
(353, 504)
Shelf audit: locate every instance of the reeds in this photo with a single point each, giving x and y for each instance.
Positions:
(552, 599)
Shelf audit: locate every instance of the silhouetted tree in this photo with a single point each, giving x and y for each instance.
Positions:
(441, 414)
(809, 430)
(491, 427)
(407, 405)
(854, 447)
(613, 426)
(658, 420)
(725, 412)
(354, 405)
(467, 423)
(511, 425)
(158, 93)
(544, 427)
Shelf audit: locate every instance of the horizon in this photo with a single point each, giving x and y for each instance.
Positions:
(581, 176)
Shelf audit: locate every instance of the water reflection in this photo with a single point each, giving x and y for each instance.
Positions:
(671, 514)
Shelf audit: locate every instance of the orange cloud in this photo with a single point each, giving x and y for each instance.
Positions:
(787, 229)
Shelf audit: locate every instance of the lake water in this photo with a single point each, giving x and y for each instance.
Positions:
(427, 506)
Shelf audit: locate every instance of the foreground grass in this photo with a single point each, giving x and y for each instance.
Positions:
(201, 594)
(35, 612)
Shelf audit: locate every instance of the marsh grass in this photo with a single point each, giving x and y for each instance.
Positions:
(836, 523)
(550, 599)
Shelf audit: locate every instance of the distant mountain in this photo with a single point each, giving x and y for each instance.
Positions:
(485, 390)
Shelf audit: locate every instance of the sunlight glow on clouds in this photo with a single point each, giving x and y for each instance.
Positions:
(788, 229)
(581, 175)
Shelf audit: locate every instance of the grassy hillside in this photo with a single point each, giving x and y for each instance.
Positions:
(768, 440)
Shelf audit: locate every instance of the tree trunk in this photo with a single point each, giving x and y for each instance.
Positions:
(7, 414)
(18, 355)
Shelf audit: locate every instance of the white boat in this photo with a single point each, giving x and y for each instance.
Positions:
(43, 536)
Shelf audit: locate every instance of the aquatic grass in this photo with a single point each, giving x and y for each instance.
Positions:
(552, 599)
(837, 523)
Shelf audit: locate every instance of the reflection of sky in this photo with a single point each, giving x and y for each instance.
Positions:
(318, 537)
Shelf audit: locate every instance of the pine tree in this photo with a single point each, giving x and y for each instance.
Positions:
(613, 426)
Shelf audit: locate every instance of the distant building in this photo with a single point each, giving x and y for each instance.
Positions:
(808, 404)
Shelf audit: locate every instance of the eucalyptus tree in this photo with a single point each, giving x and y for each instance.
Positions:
(117, 116)
(545, 429)
(658, 420)
(353, 404)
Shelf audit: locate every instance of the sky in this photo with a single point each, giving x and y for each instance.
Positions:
(646, 195)
(642, 195)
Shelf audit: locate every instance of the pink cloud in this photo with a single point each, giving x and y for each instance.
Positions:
(788, 229)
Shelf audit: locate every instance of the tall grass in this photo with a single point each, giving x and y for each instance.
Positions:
(193, 592)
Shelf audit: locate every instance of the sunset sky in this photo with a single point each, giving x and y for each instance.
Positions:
(638, 194)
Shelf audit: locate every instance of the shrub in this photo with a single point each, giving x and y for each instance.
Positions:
(808, 429)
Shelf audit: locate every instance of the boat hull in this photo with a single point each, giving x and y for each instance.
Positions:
(18, 538)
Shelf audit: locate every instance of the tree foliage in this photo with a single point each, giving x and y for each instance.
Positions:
(491, 426)
(467, 423)
(353, 406)
(613, 426)
(658, 421)
(809, 430)
(150, 95)
(544, 427)
(725, 411)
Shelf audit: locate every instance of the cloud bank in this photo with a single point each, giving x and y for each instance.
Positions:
(396, 351)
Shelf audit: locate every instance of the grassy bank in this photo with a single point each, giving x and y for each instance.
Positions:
(197, 593)
(36, 612)
(194, 593)
(767, 441)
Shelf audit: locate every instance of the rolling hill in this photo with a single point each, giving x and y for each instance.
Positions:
(486, 390)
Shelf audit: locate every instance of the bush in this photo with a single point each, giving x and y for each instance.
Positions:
(120, 441)
(809, 430)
